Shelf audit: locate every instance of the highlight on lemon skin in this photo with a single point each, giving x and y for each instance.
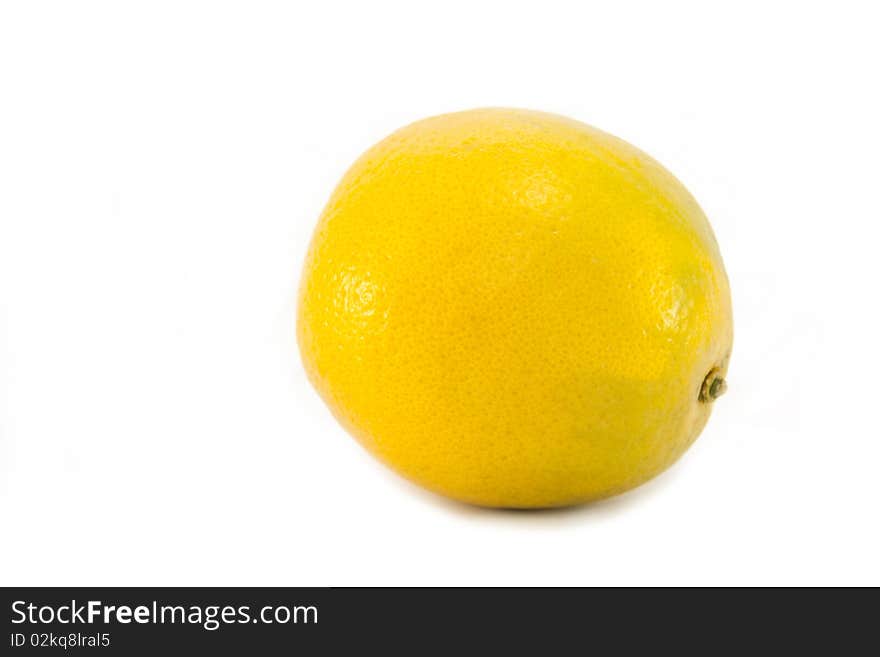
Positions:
(515, 309)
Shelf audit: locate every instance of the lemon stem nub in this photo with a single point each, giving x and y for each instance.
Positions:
(713, 387)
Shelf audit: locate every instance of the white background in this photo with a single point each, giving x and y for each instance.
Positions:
(162, 165)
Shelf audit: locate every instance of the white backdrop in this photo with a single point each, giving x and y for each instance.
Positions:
(162, 165)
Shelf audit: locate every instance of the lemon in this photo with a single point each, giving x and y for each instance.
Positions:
(515, 309)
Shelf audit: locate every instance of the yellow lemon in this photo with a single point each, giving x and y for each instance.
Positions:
(515, 309)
